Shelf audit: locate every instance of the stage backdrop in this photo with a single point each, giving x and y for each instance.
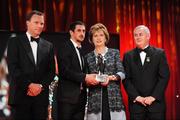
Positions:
(120, 16)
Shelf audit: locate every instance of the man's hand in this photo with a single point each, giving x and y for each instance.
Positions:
(91, 79)
(145, 100)
(34, 89)
(149, 100)
(112, 77)
(140, 100)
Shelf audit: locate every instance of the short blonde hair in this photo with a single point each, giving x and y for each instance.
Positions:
(95, 28)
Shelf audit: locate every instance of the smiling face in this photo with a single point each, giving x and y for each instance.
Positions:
(35, 25)
(78, 34)
(99, 38)
(98, 35)
(141, 37)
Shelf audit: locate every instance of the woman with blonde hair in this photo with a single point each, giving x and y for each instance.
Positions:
(104, 98)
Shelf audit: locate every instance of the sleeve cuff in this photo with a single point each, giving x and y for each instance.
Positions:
(121, 74)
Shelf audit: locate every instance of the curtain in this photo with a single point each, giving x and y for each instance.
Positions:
(119, 16)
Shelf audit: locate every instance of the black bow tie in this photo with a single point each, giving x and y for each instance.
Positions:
(143, 50)
(35, 39)
(80, 49)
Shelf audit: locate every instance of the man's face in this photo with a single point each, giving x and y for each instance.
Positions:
(141, 38)
(78, 34)
(35, 25)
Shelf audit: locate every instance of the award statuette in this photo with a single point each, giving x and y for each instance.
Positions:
(101, 77)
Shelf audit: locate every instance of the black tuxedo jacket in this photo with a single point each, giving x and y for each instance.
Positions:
(70, 74)
(150, 79)
(23, 70)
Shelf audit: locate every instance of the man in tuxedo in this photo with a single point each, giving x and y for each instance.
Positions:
(71, 91)
(31, 67)
(147, 75)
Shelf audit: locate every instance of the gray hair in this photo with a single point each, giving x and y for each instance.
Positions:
(145, 28)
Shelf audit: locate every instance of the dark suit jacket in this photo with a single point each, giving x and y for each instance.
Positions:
(70, 74)
(23, 70)
(150, 79)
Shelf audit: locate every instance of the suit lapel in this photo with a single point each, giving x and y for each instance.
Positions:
(137, 59)
(27, 47)
(74, 52)
(93, 62)
(148, 58)
(40, 51)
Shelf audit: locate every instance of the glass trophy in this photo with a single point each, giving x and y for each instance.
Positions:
(101, 77)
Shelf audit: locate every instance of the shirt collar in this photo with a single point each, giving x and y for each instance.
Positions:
(145, 47)
(75, 44)
(29, 36)
(103, 54)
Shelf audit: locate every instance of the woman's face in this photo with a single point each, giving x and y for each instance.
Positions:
(99, 38)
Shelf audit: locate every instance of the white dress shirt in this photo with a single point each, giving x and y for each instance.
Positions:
(34, 47)
(143, 55)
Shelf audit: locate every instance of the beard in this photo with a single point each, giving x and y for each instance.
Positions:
(81, 39)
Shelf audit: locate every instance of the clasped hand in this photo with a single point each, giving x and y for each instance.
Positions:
(34, 89)
(145, 100)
